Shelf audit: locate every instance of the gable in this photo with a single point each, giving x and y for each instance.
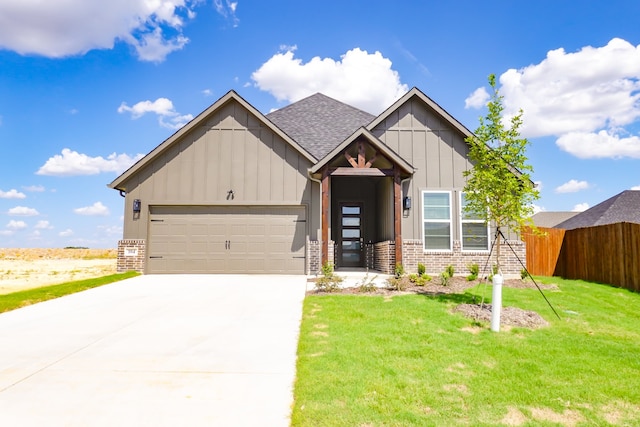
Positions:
(421, 135)
(378, 154)
(243, 116)
(230, 149)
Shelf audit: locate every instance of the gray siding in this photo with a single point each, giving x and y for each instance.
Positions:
(385, 210)
(231, 150)
(435, 148)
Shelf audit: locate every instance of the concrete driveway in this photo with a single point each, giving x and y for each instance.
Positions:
(171, 350)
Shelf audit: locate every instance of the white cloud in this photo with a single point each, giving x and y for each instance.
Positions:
(477, 99)
(112, 230)
(73, 27)
(576, 92)
(167, 115)
(43, 225)
(97, 209)
(572, 186)
(16, 225)
(585, 98)
(72, 163)
(7, 232)
(227, 9)
(207, 92)
(635, 187)
(34, 188)
(580, 207)
(23, 211)
(12, 194)
(602, 144)
(161, 106)
(154, 47)
(359, 78)
(538, 185)
(66, 233)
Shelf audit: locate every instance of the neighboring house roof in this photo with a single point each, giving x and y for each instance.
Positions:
(119, 182)
(551, 219)
(319, 123)
(623, 207)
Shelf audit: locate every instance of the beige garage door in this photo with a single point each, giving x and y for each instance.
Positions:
(227, 239)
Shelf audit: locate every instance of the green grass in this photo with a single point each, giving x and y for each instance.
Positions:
(32, 296)
(408, 361)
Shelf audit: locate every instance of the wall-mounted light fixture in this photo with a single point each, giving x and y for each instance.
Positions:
(137, 205)
(230, 195)
(406, 203)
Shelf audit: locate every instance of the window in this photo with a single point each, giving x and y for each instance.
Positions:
(475, 233)
(436, 217)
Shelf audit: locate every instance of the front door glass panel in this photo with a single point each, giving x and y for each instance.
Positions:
(351, 239)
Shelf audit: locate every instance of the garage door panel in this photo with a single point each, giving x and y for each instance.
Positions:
(209, 239)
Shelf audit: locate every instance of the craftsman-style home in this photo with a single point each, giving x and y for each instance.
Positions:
(237, 191)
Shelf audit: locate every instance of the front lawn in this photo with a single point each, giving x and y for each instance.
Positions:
(32, 296)
(408, 361)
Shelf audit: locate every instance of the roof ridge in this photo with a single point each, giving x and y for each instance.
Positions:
(319, 122)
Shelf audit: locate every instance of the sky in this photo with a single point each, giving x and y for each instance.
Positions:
(89, 87)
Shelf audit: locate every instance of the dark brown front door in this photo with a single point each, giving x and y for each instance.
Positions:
(351, 239)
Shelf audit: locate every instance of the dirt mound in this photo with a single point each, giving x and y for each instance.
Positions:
(511, 316)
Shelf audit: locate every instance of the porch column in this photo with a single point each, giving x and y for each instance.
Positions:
(397, 213)
(325, 216)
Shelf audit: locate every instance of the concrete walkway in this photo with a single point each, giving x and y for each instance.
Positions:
(171, 350)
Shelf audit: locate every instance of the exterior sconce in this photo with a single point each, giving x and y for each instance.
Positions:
(137, 205)
(230, 195)
(406, 203)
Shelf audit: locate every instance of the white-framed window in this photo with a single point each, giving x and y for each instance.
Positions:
(474, 232)
(436, 220)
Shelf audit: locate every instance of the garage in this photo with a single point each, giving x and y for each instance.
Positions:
(227, 239)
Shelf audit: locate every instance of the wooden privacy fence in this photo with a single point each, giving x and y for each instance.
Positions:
(543, 250)
(605, 254)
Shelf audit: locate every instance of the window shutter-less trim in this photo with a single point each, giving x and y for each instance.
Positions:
(436, 220)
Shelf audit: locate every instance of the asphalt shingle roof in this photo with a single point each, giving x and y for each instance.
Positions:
(623, 207)
(551, 219)
(319, 123)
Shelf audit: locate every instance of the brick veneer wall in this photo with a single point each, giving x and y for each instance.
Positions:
(384, 256)
(436, 262)
(131, 262)
(314, 254)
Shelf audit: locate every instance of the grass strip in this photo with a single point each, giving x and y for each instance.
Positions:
(20, 299)
(408, 360)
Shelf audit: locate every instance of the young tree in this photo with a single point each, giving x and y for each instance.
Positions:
(499, 186)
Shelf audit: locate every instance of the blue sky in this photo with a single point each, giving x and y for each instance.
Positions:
(87, 87)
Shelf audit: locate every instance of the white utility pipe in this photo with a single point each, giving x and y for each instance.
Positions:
(496, 302)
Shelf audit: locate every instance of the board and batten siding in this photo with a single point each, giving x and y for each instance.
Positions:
(230, 150)
(435, 148)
